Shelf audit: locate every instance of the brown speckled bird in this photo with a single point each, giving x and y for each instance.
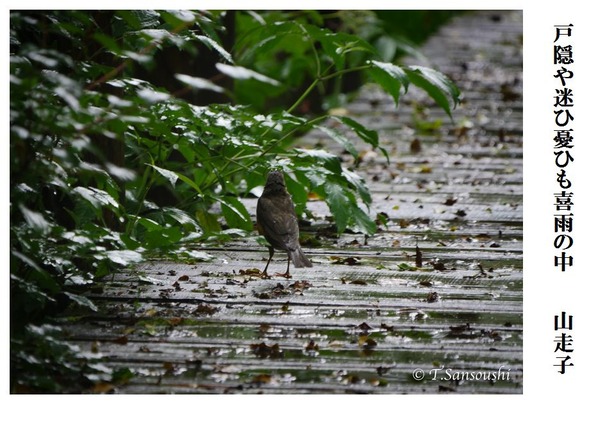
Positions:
(277, 222)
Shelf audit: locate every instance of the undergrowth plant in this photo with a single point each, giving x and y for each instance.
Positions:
(139, 131)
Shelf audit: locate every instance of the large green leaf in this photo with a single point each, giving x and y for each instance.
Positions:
(443, 91)
(341, 139)
(241, 73)
(81, 300)
(390, 77)
(368, 135)
(215, 46)
(322, 158)
(362, 222)
(339, 205)
(199, 83)
(235, 213)
(173, 176)
(359, 184)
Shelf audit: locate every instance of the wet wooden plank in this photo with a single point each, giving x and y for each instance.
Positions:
(365, 319)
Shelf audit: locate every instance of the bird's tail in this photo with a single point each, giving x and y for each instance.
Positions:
(299, 259)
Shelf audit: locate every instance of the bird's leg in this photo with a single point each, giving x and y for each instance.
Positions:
(271, 252)
(287, 271)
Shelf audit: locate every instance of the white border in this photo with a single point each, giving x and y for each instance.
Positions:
(550, 401)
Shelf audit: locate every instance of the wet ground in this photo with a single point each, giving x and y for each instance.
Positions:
(432, 303)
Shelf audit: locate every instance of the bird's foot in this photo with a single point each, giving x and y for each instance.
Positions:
(286, 275)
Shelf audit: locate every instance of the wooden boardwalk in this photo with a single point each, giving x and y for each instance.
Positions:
(364, 319)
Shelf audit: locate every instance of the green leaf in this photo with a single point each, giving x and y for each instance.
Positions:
(362, 222)
(390, 77)
(211, 43)
(178, 16)
(35, 220)
(172, 177)
(108, 42)
(241, 73)
(149, 224)
(208, 221)
(339, 205)
(182, 218)
(298, 192)
(348, 145)
(338, 45)
(235, 213)
(164, 237)
(368, 135)
(140, 19)
(359, 184)
(82, 301)
(96, 197)
(124, 257)
(329, 160)
(199, 83)
(437, 85)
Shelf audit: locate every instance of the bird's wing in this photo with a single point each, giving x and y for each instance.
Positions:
(279, 228)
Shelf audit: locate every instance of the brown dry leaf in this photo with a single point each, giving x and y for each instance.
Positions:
(121, 340)
(359, 282)
(262, 379)
(251, 271)
(205, 310)
(151, 312)
(263, 350)
(350, 261)
(387, 328)
(169, 367)
(450, 201)
(432, 297)
(300, 285)
(102, 388)
(403, 223)
(175, 321)
(438, 266)
(364, 326)
(311, 346)
(415, 146)
(367, 342)
(381, 370)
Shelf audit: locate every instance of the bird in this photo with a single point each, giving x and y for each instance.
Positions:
(276, 220)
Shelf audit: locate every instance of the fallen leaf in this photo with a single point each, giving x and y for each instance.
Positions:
(263, 350)
(432, 297)
(121, 340)
(175, 321)
(102, 388)
(359, 282)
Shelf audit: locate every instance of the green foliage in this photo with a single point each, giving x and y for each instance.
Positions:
(114, 154)
(42, 363)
